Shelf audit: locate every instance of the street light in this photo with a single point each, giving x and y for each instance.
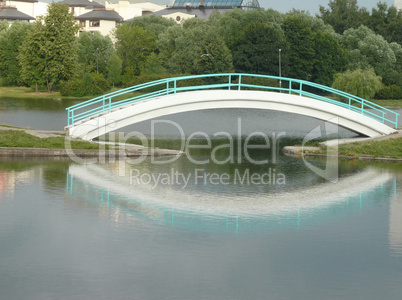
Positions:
(97, 53)
(280, 70)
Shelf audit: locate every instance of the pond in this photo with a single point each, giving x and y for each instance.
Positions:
(208, 225)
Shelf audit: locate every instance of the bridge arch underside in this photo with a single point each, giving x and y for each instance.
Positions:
(200, 100)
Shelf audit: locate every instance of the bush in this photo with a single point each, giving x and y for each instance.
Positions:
(90, 85)
(261, 81)
(361, 83)
(391, 92)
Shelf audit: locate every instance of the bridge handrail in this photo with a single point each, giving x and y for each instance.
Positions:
(107, 102)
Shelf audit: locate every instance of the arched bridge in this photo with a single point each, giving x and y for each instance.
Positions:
(115, 110)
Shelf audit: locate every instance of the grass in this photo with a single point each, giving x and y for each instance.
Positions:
(388, 103)
(387, 148)
(17, 138)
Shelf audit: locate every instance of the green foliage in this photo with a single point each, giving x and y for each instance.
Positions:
(194, 48)
(387, 22)
(154, 23)
(32, 56)
(87, 85)
(134, 45)
(361, 83)
(11, 39)
(301, 46)
(50, 51)
(153, 65)
(253, 38)
(257, 81)
(391, 92)
(330, 58)
(114, 69)
(370, 50)
(257, 49)
(3, 25)
(344, 14)
(94, 51)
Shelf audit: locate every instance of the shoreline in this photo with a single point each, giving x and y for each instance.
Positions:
(307, 151)
(131, 150)
(299, 151)
(84, 153)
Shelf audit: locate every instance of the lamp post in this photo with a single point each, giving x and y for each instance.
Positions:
(280, 70)
(97, 53)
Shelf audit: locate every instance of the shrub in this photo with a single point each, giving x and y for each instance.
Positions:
(89, 85)
(391, 92)
(361, 83)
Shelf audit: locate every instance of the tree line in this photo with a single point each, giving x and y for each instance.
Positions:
(344, 46)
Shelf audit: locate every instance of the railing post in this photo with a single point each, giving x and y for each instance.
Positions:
(239, 82)
(300, 89)
(230, 81)
(167, 87)
(290, 87)
(175, 85)
(396, 121)
(110, 104)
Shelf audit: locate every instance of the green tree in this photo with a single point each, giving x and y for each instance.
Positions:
(230, 24)
(194, 48)
(386, 21)
(32, 57)
(10, 41)
(134, 45)
(344, 14)
(153, 65)
(3, 25)
(330, 58)
(257, 49)
(154, 23)
(301, 47)
(370, 50)
(51, 47)
(114, 69)
(361, 83)
(94, 51)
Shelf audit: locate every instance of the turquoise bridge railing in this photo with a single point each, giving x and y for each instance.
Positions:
(231, 81)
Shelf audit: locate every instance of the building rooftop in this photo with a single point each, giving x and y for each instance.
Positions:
(202, 13)
(245, 4)
(12, 13)
(82, 3)
(101, 14)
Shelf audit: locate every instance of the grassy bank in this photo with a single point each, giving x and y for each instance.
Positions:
(17, 138)
(25, 92)
(386, 148)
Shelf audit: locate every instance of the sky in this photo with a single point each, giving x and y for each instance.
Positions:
(312, 6)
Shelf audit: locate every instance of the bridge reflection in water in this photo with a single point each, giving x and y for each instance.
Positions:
(189, 209)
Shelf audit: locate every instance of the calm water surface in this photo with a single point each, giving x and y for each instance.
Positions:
(110, 230)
